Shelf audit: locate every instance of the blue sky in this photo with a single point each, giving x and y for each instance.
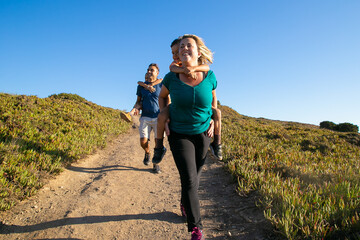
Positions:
(281, 59)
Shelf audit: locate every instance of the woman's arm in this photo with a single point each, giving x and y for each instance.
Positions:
(210, 131)
(164, 97)
(164, 100)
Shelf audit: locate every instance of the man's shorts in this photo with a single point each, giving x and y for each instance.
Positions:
(146, 125)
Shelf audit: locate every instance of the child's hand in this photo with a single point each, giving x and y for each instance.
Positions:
(193, 75)
(187, 71)
(190, 72)
(150, 89)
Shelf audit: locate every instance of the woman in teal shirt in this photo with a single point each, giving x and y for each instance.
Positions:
(190, 118)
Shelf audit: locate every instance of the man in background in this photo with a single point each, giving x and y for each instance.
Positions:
(148, 102)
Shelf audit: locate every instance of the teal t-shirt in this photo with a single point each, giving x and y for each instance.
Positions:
(190, 109)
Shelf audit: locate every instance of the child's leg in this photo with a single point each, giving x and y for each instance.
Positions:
(161, 121)
(217, 125)
(215, 146)
(160, 150)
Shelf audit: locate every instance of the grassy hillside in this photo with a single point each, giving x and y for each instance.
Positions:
(40, 136)
(308, 178)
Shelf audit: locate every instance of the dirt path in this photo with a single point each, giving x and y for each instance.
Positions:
(112, 195)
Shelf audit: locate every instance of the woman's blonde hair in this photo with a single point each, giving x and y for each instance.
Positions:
(206, 56)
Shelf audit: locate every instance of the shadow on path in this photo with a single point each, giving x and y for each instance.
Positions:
(59, 238)
(163, 216)
(107, 169)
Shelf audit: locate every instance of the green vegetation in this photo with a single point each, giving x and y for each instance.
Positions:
(308, 178)
(38, 137)
(341, 127)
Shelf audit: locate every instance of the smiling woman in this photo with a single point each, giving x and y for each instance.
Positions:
(192, 99)
(205, 55)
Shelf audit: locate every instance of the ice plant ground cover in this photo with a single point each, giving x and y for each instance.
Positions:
(39, 136)
(308, 178)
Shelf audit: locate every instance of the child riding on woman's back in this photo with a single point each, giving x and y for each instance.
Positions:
(163, 117)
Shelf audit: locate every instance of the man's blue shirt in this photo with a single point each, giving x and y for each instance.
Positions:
(150, 101)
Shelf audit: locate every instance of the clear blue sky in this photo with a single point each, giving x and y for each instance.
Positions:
(281, 59)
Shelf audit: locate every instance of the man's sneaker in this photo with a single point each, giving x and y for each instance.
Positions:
(196, 234)
(156, 168)
(182, 209)
(159, 153)
(125, 116)
(147, 159)
(216, 149)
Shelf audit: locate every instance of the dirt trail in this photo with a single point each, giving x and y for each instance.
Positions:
(113, 195)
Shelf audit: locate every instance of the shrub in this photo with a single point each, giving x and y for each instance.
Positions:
(68, 96)
(328, 125)
(341, 127)
(346, 127)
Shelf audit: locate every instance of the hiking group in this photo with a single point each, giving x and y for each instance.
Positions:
(184, 106)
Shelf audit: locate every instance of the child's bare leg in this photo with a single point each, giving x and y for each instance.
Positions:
(162, 119)
(160, 150)
(217, 125)
(215, 146)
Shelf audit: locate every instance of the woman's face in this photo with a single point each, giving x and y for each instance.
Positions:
(188, 51)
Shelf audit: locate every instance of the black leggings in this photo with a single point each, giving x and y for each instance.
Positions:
(189, 152)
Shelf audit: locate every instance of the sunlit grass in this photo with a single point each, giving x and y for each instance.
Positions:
(308, 178)
(38, 137)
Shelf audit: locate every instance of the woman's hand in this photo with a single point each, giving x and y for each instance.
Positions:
(167, 129)
(210, 131)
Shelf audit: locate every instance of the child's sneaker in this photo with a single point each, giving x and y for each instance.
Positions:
(125, 116)
(147, 159)
(216, 149)
(196, 234)
(159, 153)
